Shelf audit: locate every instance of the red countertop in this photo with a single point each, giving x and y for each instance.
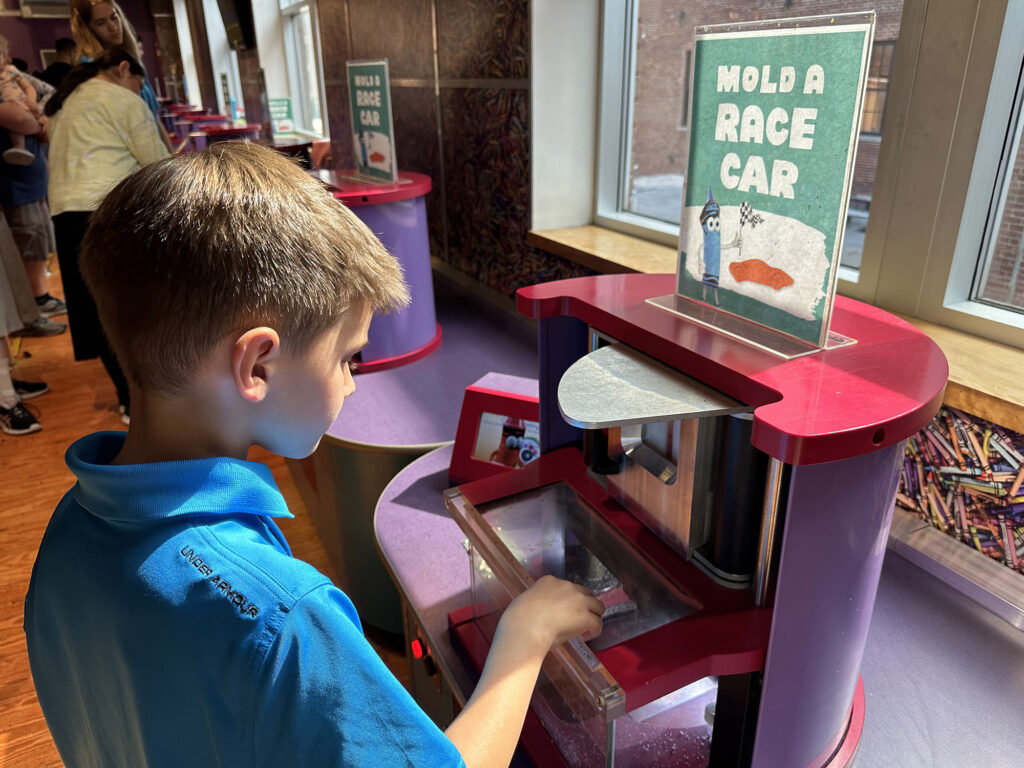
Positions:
(354, 193)
(829, 405)
(223, 130)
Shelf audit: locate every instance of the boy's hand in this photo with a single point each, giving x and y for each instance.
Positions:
(551, 612)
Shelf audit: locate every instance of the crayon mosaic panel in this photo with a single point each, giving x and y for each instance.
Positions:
(478, 221)
(965, 476)
(486, 157)
(397, 29)
(488, 39)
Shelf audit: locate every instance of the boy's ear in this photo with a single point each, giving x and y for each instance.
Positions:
(252, 351)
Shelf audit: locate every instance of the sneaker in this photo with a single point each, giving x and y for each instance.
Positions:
(18, 156)
(126, 417)
(18, 421)
(50, 305)
(28, 389)
(42, 326)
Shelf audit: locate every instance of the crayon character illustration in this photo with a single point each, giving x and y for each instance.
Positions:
(507, 452)
(756, 270)
(362, 148)
(711, 226)
(778, 261)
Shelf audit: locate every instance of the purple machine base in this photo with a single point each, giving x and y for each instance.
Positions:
(397, 214)
(402, 227)
(836, 526)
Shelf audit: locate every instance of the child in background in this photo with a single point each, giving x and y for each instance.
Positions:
(167, 622)
(14, 87)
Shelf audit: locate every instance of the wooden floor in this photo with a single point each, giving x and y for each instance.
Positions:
(34, 478)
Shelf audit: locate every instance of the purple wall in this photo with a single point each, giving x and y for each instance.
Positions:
(28, 36)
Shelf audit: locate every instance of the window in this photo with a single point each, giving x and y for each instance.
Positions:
(224, 61)
(877, 89)
(999, 280)
(301, 42)
(936, 218)
(648, 154)
(946, 242)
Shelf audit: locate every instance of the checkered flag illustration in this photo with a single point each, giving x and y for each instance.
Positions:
(747, 216)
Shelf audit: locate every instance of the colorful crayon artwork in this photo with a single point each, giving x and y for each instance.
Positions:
(965, 475)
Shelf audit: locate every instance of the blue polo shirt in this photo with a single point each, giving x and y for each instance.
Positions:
(169, 625)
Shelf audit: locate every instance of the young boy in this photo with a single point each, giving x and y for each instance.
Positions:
(167, 622)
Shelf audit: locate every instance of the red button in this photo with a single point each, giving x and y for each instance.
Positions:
(417, 648)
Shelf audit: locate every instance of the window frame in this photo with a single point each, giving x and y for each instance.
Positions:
(940, 104)
(875, 47)
(289, 19)
(1012, 154)
(935, 283)
(615, 115)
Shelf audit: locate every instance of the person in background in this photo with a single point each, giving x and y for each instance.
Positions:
(59, 68)
(15, 418)
(100, 132)
(23, 197)
(98, 26)
(25, 317)
(18, 317)
(16, 90)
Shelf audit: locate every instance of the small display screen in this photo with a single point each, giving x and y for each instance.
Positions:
(506, 440)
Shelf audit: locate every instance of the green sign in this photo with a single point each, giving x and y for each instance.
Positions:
(373, 135)
(281, 119)
(775, 119)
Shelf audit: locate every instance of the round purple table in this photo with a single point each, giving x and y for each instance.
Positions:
(397, 215)
(394, 417)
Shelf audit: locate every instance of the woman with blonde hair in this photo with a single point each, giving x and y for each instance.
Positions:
(98, 26)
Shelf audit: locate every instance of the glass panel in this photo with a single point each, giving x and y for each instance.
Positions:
(1002, 271)
(550, 531)
(659, 142)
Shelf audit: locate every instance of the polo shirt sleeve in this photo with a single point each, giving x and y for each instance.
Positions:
(325, 698)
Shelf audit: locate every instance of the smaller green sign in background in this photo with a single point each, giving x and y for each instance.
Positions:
(373, 135)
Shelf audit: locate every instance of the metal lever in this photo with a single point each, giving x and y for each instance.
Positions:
(639, 453)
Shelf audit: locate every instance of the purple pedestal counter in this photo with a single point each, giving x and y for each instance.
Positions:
(397, 214)
(394, 417)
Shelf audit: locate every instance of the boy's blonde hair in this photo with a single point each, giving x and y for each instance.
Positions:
(191, 249)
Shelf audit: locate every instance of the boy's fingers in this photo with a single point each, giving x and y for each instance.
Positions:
(596, 625)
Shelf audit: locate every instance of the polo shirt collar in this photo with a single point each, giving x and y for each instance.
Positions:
(218, 487)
